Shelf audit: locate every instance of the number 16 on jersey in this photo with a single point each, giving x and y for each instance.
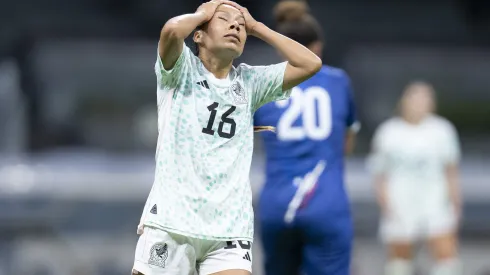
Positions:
(224, 119)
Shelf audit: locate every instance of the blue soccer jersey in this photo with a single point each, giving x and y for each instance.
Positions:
(310, 128)
(304, 189)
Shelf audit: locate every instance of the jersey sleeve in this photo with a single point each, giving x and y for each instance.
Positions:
(452, 149)
(168, 79)
(352, 120)
(267, 84)
(377, 161)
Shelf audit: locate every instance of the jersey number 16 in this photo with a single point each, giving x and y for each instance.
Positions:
(314, 105)
(224, 119)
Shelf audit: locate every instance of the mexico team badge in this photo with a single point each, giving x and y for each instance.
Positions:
(238, 94)
(158, 254)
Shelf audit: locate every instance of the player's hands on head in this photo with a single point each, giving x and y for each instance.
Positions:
(209, 8)
(250, 22)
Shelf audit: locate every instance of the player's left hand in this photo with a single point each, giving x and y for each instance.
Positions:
(250, 22)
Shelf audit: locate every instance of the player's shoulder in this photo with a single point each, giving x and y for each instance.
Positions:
(389, 124)
(189, 57)
(441, 123)
(246, 71)
(188, 51)
(244, 67)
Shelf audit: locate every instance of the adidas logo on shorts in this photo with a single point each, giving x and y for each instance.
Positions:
(247, 257)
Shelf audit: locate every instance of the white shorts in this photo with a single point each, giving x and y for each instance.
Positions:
(160, 252)
(408, 224)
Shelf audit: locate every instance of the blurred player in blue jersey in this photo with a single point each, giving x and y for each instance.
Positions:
(304, 210)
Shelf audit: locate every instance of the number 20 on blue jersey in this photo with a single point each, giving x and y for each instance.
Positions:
(314, 106)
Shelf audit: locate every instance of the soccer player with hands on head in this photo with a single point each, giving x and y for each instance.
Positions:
(198, 217)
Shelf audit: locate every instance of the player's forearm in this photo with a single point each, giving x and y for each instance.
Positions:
(296, 54)
(452, 175)
(380, 186)
(350, 140)
(182, 26)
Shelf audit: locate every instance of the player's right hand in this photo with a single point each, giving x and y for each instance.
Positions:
(250, 22)
(209, 8)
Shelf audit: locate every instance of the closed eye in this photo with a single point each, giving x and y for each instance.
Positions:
(222, 18)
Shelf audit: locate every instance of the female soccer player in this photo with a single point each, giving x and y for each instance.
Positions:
(198, 215)
(414, 160)
(304, 210)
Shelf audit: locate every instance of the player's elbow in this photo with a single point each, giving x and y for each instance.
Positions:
(170, 31)
(313, 65)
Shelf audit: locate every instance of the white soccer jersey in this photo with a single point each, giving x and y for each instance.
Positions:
(205, 146)
(414, 159)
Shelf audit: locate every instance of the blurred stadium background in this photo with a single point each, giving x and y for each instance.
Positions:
(78, 118)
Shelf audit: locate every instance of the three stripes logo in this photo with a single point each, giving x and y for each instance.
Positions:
(247, 257)
(203, 84)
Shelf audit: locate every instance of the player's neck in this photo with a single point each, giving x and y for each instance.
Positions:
(415, 120)
(219, 67)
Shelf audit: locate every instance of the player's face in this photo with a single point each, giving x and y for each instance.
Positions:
(418, 101)
(225, 34)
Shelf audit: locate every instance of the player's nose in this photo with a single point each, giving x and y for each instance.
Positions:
(235, 26)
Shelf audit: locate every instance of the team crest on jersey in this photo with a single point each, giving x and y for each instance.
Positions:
(158, 254)
(238, 94)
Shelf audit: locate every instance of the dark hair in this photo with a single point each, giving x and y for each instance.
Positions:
(196, 46)
(294, 21)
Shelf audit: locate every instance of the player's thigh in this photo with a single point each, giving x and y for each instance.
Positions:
(399, 250)
(399, 230)
(228, 258)
(331, 254)
(443, 247)
(398, 238)
(160, 253)
(282, 248)
(441, 232)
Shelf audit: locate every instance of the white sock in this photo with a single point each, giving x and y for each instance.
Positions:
(399, 267)
(447, 267)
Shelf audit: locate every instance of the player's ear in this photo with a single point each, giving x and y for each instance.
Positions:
(197, 36)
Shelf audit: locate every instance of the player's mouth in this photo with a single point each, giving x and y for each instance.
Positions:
(233, 37)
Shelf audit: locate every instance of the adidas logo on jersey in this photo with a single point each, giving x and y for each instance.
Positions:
(154, 209)
(247, 257)
(203, 84)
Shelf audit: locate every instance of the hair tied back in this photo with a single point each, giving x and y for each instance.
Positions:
(290, 11)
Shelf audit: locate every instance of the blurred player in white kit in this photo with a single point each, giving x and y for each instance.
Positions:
(415, 163)
(198, 217)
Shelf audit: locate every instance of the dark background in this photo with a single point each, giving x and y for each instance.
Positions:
(78, 117)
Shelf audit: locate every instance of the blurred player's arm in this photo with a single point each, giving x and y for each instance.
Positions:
(377, 164)
(353, 123)
(380, 183)
(350, 135)
(179, 28)
(302, 63)
(452, 174)
(350, 141)
(453, 156)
